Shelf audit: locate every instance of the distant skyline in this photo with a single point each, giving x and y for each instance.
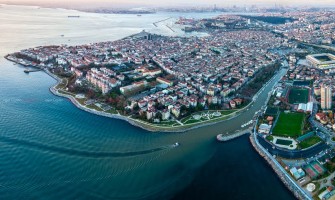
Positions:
(165, 3)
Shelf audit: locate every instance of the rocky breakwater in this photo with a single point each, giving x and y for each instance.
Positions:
(298, 192)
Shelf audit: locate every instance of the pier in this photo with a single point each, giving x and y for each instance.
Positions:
(170, 28)
(155, 23)
(31, 70)
(227, 137)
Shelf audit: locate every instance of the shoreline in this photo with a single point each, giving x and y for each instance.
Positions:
(134, 122)
(296, 190)
(149, 127)
(145, 125)
(281, 173)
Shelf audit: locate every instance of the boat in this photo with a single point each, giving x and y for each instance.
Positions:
(26, 71)
(62, 35)
(139, 15)
(175, 144)
(73, 16)
(220, 138)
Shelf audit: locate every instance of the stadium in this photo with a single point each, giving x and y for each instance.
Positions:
(322, 61)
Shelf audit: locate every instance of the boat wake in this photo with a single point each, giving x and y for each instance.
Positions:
(77, 152)
(26, 186)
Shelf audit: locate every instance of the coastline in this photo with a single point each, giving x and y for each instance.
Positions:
(134, 122)
(142, 124)
(150, 127)
(145, 125)
(297, 191)
(62, 128)
(282, 174)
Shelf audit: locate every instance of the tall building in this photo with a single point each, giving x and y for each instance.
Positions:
(326, 97)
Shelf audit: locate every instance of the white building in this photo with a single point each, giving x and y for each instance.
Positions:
(264, 128)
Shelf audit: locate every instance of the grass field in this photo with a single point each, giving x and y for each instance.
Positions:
(298, 95)
(309, 142)
(269, 138)
(289, 125)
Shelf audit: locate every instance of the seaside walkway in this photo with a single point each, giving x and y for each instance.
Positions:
(281, 172)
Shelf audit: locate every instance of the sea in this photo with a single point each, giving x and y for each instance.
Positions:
(49, 149)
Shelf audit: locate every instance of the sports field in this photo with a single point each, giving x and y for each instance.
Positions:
(309, 142)
(323, 58)
(298, 95)
(289, 125)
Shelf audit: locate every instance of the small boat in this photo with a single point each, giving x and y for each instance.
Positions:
(62, 35)
(26, 71)
(176, 144)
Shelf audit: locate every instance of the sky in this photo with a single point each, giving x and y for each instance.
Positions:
(169, 3)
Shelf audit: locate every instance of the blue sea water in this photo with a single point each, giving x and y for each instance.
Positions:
(49, 149)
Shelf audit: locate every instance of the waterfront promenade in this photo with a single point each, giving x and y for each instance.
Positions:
(299, 192)
(245, 111)
(149, 126)
(156, 128)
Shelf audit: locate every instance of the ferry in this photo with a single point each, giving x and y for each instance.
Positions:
(220, 138)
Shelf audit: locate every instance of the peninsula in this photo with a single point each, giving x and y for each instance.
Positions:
(173, 84)
(164, 83)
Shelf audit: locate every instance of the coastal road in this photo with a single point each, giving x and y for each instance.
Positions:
(281, 172)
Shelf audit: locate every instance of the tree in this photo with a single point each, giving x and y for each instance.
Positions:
(90, 94)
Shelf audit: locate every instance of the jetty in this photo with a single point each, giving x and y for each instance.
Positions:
(155, 23)
(31, 70)
(170, 28)
(227, 136)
